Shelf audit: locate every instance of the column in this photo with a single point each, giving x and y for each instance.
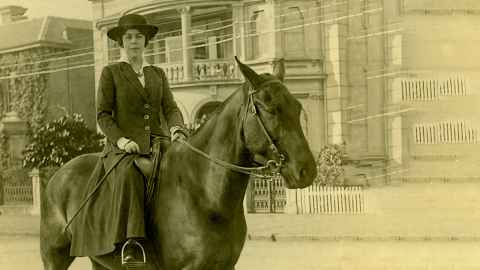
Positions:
(16, 130)
(35, 175)
(212, 48)
(186, 17)
(273, 36)
(336, 83)
(100, 56)
(238, 30)
(156, 51)
(291, 206)
(239, 42)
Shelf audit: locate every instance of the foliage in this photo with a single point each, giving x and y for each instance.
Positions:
(329, 165)
(3, 152)
(26, 93)
(58, 141)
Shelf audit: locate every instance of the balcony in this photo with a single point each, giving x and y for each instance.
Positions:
(203, 70)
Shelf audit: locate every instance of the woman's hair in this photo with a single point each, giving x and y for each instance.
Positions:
(143, 32)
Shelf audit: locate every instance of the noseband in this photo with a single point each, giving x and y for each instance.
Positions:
(270, 166)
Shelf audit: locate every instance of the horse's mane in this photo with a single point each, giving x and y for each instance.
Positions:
(217, 111)
(244, 87)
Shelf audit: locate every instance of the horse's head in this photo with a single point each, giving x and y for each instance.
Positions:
(271, 126)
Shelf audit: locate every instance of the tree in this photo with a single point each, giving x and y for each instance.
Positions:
(58, 141)
(329, 165)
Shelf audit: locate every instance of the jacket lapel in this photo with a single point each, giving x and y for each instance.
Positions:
(131, 77)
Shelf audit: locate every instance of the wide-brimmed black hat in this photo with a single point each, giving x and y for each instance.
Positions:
(132, 21)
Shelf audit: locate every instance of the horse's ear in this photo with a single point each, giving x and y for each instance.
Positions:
(249, 74)
(279, 69)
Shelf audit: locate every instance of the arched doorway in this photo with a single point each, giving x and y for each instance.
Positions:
(204, 113)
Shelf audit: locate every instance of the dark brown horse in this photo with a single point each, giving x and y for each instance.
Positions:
(197, 216)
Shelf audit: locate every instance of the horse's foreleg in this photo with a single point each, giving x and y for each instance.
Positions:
(97, 266)
(55, 258)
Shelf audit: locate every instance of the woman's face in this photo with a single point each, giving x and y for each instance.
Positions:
(133, 43)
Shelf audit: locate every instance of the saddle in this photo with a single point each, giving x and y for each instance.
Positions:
(144, 165)
(149, 168)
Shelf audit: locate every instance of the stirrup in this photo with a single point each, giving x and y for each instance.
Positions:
(134, 264)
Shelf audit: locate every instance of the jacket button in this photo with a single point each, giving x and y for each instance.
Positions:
(146, 117)
(147, 128)
(146, 106)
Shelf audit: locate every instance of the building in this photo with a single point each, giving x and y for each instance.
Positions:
(49, 54)
(435, 81)
(198, 40)
(395, 80)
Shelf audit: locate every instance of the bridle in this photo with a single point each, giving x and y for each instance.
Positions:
(275, 165)
(270, 166)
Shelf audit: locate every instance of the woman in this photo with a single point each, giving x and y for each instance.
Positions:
(134, 106)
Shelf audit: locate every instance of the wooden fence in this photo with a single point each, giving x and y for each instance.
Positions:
(318, 199)
(271, 196)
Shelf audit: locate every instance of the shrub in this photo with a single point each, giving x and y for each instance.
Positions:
(58, 141)
(329, 165)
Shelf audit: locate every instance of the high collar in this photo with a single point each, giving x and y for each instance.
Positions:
(124, 58)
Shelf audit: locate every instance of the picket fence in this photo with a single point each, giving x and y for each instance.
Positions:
(318, 199)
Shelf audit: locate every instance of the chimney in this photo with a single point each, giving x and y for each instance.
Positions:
(9, 14)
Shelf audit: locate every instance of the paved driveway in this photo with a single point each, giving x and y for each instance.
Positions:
(21, 252)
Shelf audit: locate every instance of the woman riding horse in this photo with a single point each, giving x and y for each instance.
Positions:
(135, 107)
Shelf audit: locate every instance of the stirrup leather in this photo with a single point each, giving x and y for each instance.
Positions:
(134, 264)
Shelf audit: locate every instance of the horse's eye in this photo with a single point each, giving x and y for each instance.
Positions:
(264, 107)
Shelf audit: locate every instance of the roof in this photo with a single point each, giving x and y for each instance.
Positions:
(46, 30)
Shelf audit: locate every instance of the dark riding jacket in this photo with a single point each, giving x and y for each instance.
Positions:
(127, 109)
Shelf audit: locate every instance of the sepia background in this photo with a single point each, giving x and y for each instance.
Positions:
(389, 89)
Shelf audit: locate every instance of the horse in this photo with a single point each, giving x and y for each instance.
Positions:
(196, 218)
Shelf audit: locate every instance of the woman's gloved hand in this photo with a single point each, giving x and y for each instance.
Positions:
(128, 145)
(177, 133)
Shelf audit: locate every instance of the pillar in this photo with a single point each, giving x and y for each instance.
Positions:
(273, 37)
(291, 198)
(35, 175)
(16, 131)
(212, 48)
(156, 50)
(336, 83)
(101, 54)
(239, 42)
(239, 46)
(186, 18)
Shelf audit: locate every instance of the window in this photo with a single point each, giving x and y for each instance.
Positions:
(292, 24)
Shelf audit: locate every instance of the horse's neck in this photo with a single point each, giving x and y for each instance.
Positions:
(221, 139)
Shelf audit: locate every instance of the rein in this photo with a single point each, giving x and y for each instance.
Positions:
(272, 166)
(255, 171)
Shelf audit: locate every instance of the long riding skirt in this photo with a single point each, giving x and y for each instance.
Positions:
(115, 212)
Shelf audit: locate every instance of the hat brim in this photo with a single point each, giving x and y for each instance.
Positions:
(116, 32)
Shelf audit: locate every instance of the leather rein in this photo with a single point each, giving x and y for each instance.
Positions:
(271, 166)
